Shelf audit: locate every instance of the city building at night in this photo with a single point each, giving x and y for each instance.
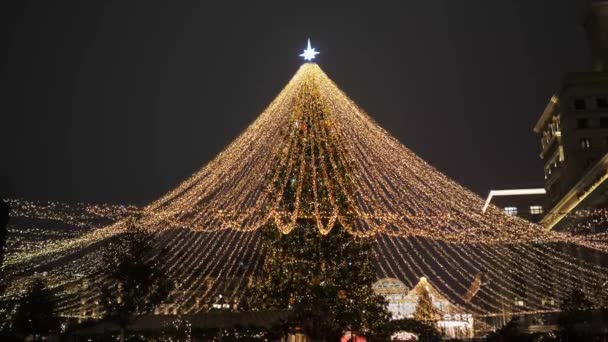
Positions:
(153, 188)
(573, 130)
(525, 203)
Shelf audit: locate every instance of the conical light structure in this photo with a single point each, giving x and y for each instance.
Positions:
(316, 142)
(389, 189)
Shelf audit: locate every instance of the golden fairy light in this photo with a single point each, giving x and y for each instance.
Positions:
(319, 145)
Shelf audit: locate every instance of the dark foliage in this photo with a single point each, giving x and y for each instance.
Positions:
(36, 314)
(513, 331)
(326, 280)
(575, 318)
(135, 275)
(241, 334)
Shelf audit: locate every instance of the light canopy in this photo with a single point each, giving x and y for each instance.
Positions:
(311, 148)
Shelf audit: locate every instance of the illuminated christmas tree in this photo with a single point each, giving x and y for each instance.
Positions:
(315, 169)
(425, 310)
(317, 268)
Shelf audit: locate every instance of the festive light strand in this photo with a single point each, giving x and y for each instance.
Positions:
(310, 150)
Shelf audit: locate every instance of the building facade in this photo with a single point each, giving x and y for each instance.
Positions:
(528, 204)
(573, 129)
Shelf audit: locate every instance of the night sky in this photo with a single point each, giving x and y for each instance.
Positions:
(119, 101)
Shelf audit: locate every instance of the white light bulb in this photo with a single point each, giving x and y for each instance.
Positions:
(310, 53)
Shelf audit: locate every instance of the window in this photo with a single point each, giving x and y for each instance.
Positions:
(547, 301)
(579, 104)
(536, 210)
(585, 143)
(601, 102)
(603, 122)
(582, 123)
(511, 210)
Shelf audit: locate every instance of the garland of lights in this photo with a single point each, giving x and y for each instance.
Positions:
(423, 223)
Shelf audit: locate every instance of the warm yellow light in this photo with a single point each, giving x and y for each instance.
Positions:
(315, 141)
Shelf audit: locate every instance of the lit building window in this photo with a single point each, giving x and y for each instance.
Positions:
(585, 143)
(511, 210)
(536, 209)
(547, 301)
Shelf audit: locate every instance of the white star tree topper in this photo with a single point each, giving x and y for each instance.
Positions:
(310, 53)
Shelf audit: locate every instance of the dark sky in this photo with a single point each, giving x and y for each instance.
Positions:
(119, 101)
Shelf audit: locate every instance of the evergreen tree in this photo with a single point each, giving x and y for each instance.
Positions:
(326, 280)
(324, 277)
(575, 314)
(36, 314)
(425, 310)
(137, 277)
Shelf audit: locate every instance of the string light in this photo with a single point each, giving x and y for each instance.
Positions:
(319, 145)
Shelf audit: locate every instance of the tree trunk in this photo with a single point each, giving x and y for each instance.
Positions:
(122, 334)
